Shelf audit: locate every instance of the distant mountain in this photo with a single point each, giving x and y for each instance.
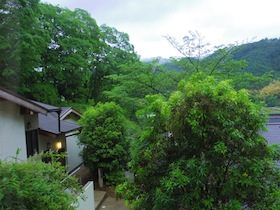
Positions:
(262, 56)
(160, 59)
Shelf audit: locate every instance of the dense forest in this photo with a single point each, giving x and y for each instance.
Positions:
(59, 56)
(188, 127)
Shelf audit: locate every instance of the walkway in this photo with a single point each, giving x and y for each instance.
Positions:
(104, 201)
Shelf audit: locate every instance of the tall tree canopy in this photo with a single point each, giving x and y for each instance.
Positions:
(104, 139)
(21, 44)
(117, 51)
(137, 80)
(52, 52)
(73, 46)
(202, 150)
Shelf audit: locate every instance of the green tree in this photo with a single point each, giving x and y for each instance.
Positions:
(200, 56)
(271, 93)
(72, 51)
(223, 62)
(104, 139)
(33, 184)
(116, 51)
(202, 150)
(137, 80)
(21, 44)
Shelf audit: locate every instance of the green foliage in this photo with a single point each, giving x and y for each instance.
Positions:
(55, 55)
(36, 185)
(199, 56)
(73, 44)
(137, 80)
(262, 56)
(64, 50)
(114, 178)
(21, 44)
(202, 150)
(225, 62)
(104, 138)
(45, 93)
(271, 93)
(117, 51)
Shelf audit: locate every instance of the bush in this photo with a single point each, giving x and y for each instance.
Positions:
(104, 137)
(33, 184)
(202, 149)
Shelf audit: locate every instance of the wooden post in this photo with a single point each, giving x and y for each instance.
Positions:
(100, 177)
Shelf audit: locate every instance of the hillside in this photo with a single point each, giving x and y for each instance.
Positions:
(262, 56)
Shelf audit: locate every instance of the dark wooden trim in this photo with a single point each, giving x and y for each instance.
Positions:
(45, 133)
(12, 97)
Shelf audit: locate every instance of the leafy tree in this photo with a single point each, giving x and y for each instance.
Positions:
(116, 51)
(46, 93)
(246, 80)
(271, 93)
(202, 150)
(73, 46)
(223, 62)
(137, 80)
(104, 139)
(21, 44)
(196, 56)
(33, 184)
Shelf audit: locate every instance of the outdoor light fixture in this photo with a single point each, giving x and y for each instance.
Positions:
(58, 145)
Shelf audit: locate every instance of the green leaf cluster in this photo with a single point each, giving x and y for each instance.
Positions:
(203, 150)
(104, 137)
(61, 52)
(33, 184)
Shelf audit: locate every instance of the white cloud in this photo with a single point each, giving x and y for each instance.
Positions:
(220, 21)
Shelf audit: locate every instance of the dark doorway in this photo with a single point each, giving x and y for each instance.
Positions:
(32, 142)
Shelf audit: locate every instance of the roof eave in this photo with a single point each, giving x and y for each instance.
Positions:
(22, 101)
(70, 110)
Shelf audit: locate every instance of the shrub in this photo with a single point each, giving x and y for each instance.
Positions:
(33, 184)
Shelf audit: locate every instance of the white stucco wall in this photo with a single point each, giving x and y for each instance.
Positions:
(73, 150)
(86, 201)
(33, 120)
(12, 131)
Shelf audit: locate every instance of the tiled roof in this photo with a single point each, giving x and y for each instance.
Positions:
(49, 123)
(46, 106)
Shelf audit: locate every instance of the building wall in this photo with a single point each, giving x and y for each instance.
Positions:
(12, 131)
(44, 140)
(73, 151)
(87, 203)
(31, 122)
(72, 146)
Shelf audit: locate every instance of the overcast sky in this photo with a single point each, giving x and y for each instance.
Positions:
(147, 21)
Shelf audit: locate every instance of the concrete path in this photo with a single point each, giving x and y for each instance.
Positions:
(104, 201)
(99, 197)
(110, 203)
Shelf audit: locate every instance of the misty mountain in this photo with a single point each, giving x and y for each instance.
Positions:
(262, 56)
